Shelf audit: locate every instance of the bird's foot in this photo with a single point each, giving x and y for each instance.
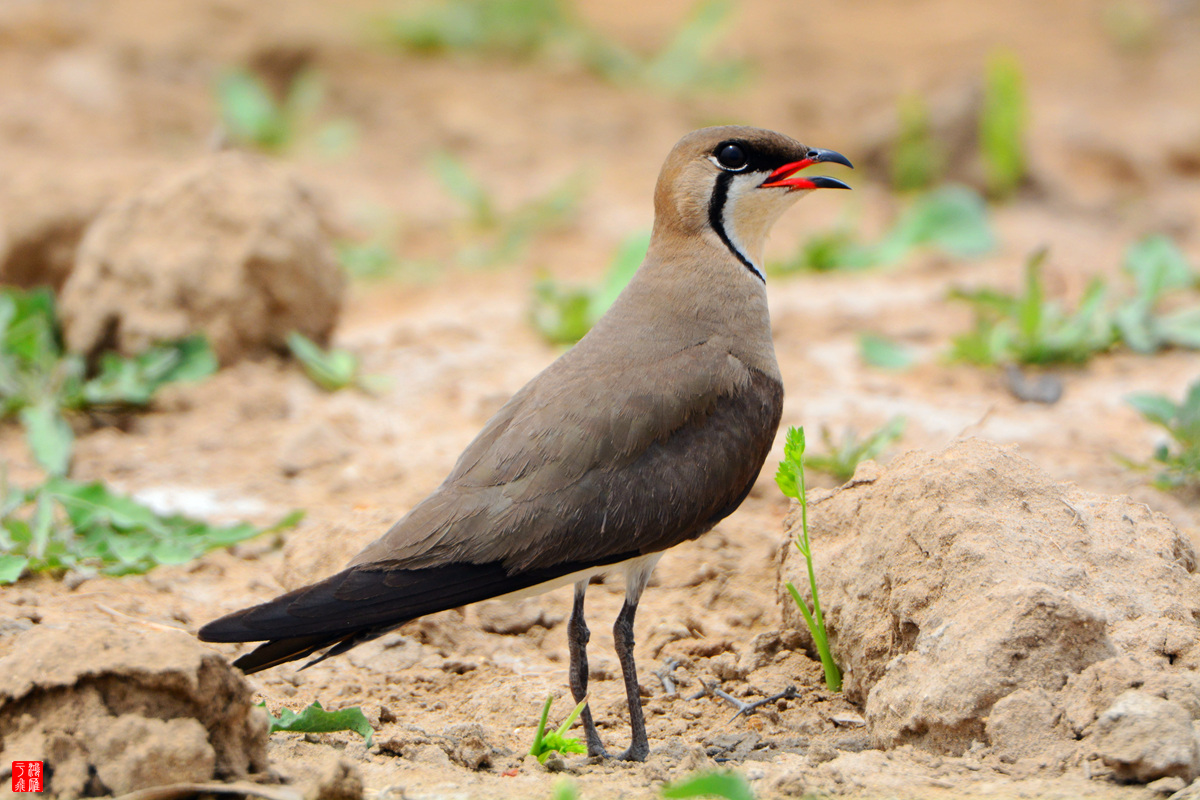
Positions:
(636, 752)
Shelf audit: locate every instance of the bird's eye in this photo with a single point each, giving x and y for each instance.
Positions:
(731, 156)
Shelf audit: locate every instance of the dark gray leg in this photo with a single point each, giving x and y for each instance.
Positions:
(577, 640)
(639, 746)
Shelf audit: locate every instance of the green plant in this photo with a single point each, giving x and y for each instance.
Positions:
(331, 369)
(917, 161)
(316, 719)
(727, 785)
(1029, 329)
(883, 353)
(86, 527)
(952, 219)
(564, 315)
(843, 458)
(39, 381)
(551, 29)
(1002, 122)
(1157, 268)
(253, 117)
(1178, 465)
(790, 479)
(495, 236)
(556, 741)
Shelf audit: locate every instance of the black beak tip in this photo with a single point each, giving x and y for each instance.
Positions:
(828, 157)
(821, 182)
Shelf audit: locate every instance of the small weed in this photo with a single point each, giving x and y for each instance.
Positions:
(316, 719)
(1177, 465)
(495, 236)
(86, 527)
(564, 315)
(878, 351)
(556, 741)
(331, 369)
(553, 30)
(727, 785)
(1029, 329)
(952, 219)
(917, 161)
(254, 118)
(1002, 124)
(790, 479)
(841, 459)
(39, 381)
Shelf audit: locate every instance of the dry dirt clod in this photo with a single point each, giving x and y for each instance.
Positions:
(1144, 738)
(959, 579)
(229, 247)
(147, 707)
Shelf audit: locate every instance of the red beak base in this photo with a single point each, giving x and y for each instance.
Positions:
(785, 176)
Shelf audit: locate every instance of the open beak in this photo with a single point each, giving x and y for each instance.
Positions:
(785, 176)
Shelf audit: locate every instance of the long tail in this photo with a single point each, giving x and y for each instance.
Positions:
(362, 603)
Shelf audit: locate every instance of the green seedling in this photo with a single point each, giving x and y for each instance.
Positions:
(1178, 464)
(841, 459)
(553, 30)
(316, 719)
(254, 118)
(1028, 329)
(1002, 123)
(952, 220)
(564, 315)
(66, 525)
(917, 161)
(331, 369)
(556, 741)
(727, 785)
(1158, 269)
(878, 351)
(790, 479)
(496, 236)
(39, 381)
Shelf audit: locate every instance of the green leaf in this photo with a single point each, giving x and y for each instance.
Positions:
(462, 186)
(884, 353)
(316, 719)
(728, 785)
(1155, 408)
(12, 567)
(556, 741)
(49, 436)
(134, 381)
(250, 114)
(331, 369)
(1157, 265)
(953, 219)
(1002, 124)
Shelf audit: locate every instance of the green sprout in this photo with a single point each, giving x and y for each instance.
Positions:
(1178, 465)
(1002, 124)
(790, 479)
(917, 161)
(332, 369)
(727, 785)
(254, 118)
(842, 459)
(556, 741)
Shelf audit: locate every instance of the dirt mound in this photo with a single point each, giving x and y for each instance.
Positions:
(146, 707)
(973, 601)
(229, 247)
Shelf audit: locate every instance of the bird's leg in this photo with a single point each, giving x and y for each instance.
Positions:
(577, 641)
(637, 575)
(639, 746)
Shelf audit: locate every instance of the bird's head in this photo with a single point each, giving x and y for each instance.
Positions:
(732, 183)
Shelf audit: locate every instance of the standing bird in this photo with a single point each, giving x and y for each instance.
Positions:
(646, 434)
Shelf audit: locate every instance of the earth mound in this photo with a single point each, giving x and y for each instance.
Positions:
(974, 602)
(229, 247)
(145, 707)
